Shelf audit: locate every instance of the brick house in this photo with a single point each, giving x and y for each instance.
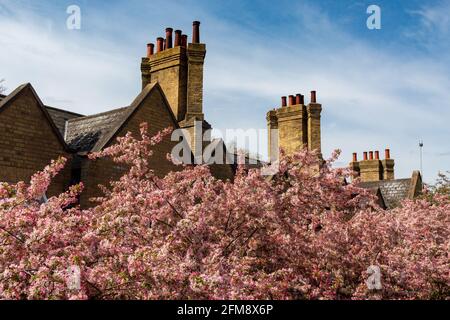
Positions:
(32, 134)
(379, 176)
(298, 126)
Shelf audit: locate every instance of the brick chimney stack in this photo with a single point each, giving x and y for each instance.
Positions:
(196, 52)
(354, 165)
(388, 166)
(371, 168)
(313, 111)
(298, 125)
(177, 66)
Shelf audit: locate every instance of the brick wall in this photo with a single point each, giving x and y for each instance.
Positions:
(290, 128)
(298, 126)
(28, 142)
(169, 69)
(196, 58)
(314, 129)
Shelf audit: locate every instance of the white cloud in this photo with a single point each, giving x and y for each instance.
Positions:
(373, 97)
(432, 28)
(64, 66)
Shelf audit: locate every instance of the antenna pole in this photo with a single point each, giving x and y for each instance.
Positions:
(421, 157)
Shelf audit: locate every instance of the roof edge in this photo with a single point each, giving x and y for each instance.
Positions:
(137, 102)
(96, 115)
(15, 94)
(66, 111)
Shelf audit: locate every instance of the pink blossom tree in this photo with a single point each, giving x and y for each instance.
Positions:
(302, 234)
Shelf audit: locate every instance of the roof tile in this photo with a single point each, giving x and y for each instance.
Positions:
(393, 191)
(83, 133)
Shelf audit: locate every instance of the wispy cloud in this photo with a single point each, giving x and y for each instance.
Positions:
(373, 96)
(432, 29)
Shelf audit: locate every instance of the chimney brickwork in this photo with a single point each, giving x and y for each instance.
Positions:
(354, 165)
(314, 111)
(298, 125)
(272, 124)
(178, 68)
(196, 57)
(169, 69)
(371, 168)
(388, 166)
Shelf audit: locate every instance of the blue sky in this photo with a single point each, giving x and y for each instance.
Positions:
(379, 88)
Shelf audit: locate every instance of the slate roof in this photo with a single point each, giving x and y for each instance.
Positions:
(92, 133)
(60, 117)
(84, 133)
(393, 191)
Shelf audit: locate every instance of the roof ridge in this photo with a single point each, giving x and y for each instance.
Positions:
(63, 110)
(14, 94)
(98, 114)
(384, 181)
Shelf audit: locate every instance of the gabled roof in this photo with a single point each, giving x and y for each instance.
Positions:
(6, 101)
(393, 191)
(93, 133)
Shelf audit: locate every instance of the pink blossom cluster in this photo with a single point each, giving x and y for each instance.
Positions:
(303, 233)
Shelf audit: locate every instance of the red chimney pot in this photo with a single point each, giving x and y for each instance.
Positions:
(169, 38)
(291, 100)
(298, 98)
(355, 157)
(283, 101)
(159, 44)
(313, 97)
(184, 40)
(177, 38)
(150, 49)
(370, 155)
(365, 156)
(196, 32)
(387, 153)
(377, 155)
